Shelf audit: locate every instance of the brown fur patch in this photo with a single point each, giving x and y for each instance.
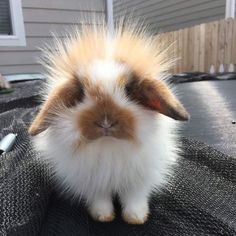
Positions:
(122, 121)
(155, 95)
(66, 94)
(122, 81)
(95, 91)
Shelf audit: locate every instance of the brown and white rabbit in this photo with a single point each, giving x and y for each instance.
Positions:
(105, 125)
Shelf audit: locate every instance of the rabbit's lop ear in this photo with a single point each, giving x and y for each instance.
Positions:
(155, 95)
(65, 95)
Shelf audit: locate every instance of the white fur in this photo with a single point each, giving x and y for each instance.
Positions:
(105, 71)
(108, 165)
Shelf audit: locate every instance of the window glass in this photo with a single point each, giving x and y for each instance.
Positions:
(5, 18)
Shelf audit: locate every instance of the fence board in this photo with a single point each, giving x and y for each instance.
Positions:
(221, 43)
(185, 49)
(229, 41)
(199, 47)
(202, 47)
(180, 42)
(233, 55)
(214, 39)
(208, 44)
(196, 51)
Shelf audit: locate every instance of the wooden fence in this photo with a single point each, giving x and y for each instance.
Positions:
(205, 47)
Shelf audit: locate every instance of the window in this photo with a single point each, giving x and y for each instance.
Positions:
(12, 31)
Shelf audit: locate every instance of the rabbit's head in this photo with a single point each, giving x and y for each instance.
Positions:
(108, 86)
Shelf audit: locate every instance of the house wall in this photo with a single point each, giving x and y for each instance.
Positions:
(168, 15)
(41, 18)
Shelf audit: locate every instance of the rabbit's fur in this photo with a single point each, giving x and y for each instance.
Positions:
(104, 124)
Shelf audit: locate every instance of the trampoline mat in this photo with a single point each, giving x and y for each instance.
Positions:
(201, 199)
(212, 106)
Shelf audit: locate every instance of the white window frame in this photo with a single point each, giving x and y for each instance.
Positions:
(109, 16)
(17, 22)
(230, 9)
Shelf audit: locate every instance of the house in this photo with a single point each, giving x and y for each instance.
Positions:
(169, 15)
(26, 25)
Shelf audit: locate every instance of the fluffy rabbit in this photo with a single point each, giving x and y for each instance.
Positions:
(107, 125)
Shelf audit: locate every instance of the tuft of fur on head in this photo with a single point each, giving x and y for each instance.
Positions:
(129, 44)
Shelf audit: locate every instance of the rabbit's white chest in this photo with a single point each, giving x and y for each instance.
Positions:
(111, 169)
(109, 165)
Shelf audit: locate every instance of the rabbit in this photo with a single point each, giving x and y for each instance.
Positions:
(108, 125)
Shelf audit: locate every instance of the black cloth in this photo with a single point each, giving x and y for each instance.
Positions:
(200, 199)
(201, 76)
(212, 106)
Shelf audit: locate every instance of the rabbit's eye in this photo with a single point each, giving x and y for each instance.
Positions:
(128, 89)
(78, 91)
(132, 87)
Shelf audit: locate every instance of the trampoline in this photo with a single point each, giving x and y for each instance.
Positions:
(201, 199)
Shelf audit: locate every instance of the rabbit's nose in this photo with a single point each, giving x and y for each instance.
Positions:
(105, 128)
(106, 124)
(103, 124)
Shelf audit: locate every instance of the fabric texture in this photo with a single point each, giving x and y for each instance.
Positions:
(212, 106)
(200, 199)
(201, 76)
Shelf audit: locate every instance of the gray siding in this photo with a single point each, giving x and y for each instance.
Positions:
(41, 18)
(168, 15)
